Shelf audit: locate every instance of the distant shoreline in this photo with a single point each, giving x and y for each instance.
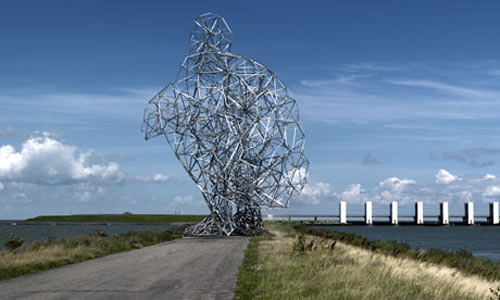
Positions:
(24, 222)
(106, 219)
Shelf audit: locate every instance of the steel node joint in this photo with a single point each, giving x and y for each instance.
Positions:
(212, 117)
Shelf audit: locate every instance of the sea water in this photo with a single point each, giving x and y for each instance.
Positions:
(38, 232)
(482, 241)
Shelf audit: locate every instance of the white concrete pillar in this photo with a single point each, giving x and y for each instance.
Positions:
(419, 212)
(444, 217)
(394, 213)
(469, 213)
(494, 219)
(368, 213)
(343, 212)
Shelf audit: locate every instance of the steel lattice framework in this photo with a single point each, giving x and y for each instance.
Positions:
(234, 128)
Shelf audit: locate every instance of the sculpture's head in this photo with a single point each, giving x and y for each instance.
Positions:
(210, 33)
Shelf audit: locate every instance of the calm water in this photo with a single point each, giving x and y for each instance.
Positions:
(482, 241)
(32, 233)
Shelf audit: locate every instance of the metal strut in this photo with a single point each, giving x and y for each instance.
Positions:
(234, 128)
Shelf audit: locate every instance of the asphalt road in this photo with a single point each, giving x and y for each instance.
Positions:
(190, 268)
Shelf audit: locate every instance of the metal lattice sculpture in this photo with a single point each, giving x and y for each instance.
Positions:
(234, 128)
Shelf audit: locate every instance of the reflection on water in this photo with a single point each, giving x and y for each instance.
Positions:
(482, 241)
(38, 232)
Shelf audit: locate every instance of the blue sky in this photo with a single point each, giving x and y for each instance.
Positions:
(399, 100)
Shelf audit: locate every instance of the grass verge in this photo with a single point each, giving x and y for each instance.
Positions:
(248, 275)
(121, 218)
(289, 264)
(461, 260)
(43, 255)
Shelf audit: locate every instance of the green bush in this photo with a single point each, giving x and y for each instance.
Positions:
(98, 233)
(14, 242)
(300, 244)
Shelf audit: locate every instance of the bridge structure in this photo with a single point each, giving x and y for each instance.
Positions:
(394, 218)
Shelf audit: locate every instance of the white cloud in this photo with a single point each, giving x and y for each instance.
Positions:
(445, 177)
(489, 176)
(314, 193)
(395, 184)
(184, 199)
(157, 178)
(354, 193)
(392, 189)
(491, 191)
(1, 187)
(45, 160)
(296, 176)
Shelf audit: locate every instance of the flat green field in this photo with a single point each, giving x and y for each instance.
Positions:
(121, 218)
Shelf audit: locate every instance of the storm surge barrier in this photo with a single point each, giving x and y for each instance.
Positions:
(394, 218)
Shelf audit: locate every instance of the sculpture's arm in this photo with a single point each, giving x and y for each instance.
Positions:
(153, 121)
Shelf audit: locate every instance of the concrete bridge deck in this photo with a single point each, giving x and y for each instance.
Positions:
(190, 268)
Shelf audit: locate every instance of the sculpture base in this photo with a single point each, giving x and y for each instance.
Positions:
(249, 225)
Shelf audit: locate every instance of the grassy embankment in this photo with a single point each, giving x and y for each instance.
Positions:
(120, 218)
(298, 263)
(43, 255)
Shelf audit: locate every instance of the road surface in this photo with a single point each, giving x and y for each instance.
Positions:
(190, 268)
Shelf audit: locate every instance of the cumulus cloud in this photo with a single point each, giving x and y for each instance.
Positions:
(296, 176)
(445, 177)
(353, 193)
(392, 189)
(44, 159)
(369, 159)
(183, 199)
(395, 184)
(444, 187)
(157, 178)
(492, 191)
(314, 193)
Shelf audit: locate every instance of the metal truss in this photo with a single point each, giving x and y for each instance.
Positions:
(234, 128)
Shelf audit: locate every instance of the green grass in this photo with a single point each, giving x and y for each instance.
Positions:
(121, 218)
(288, 263)
(43, 255)
(461, 260)
(248, 275)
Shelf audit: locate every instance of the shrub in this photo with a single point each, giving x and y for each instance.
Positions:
(98, 233)
(300, 244)
(14, 242)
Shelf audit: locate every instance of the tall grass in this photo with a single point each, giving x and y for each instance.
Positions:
(43, 255)
(461, 260)
(293, 265)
